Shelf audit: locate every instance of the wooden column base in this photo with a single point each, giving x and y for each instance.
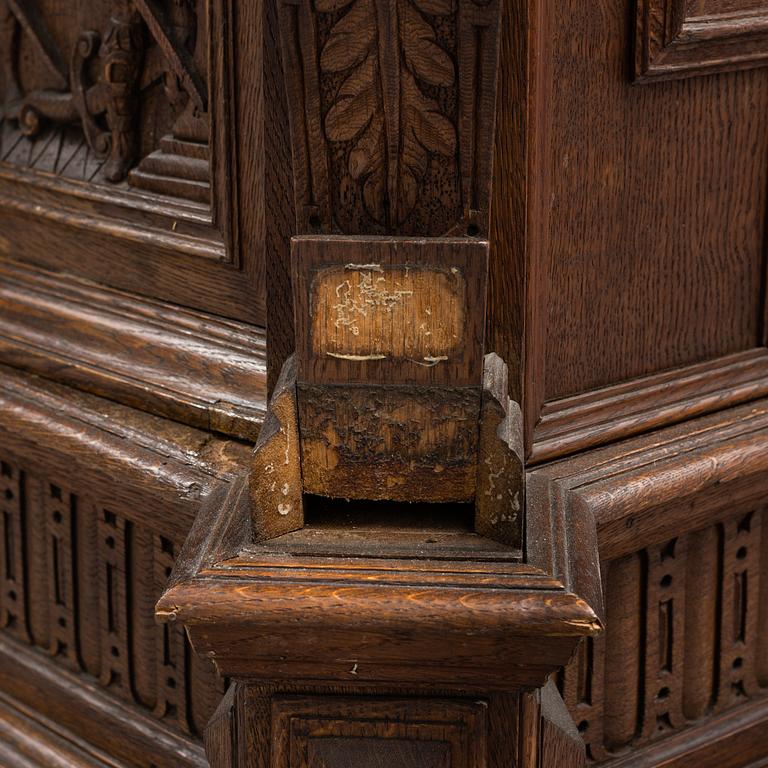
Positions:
(370, 646)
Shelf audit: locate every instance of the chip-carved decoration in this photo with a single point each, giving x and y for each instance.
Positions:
(392, 105)
(685, 638)
(115, 668)
(82, 587)
(13, 524)
(61, 520)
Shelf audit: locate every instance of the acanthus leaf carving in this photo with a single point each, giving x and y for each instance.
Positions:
(387, 128)
(384, 48)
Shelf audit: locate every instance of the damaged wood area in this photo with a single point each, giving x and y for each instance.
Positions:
(377, 442)
(389, 396)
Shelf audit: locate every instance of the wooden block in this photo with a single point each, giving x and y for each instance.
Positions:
(400, 443)
(390, 311)
(275, 477)
(500, 478)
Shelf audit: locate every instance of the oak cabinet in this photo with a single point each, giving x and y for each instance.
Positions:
(383, 383)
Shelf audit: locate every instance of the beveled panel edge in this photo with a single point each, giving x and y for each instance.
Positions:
(195, 368)
(613, 413)
(670, 45)
(120, 452)
(458, 724)
(649, 488)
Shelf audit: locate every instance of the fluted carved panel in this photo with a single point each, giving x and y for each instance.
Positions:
(83, 587)
(686, 638)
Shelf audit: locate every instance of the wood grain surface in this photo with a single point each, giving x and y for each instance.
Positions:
(657, 260)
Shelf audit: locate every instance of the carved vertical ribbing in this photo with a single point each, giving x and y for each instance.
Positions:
(89, 586)
(701, 622)
(700, 637)
(172, 648)
(623, 646)
(90, 577)
(60, 514)
(739, 619)
(761, 644)
(144, 629)
(113, 545)
(664, 638)
(584, 692)
(13, 588)
(37, 558)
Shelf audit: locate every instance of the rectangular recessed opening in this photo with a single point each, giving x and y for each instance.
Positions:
(387, 529)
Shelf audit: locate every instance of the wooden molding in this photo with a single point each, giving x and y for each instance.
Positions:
(97, 499)
(428, 732)
(30, 740)
(676, 40)
(645, 490)
(680, 517)
(46, 693)
(479, 619)
(693, 645)
(613, 413)
(207, 372)
(729, 740)
(78, 435)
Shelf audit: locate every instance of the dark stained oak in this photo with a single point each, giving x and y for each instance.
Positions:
(382, 383)
(128, 148)
(195, 368)
(680, 39)
(655, 245)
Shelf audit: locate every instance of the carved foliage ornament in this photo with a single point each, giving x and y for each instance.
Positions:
(392, 113)
(378, 88)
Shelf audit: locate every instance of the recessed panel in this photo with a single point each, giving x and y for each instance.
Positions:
(656, 211)
(346, 732)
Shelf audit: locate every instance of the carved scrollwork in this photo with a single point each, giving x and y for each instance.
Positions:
(114, 95)
(392, 113)
(135, 48)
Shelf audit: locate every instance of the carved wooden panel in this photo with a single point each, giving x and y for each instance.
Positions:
(110, 86)
(685, 638)
(392, 106)
(92, 610)
(679, 38)
(343, 732)
(13, 521)
(119, 128)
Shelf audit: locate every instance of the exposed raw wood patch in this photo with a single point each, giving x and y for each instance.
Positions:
(371, 312)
